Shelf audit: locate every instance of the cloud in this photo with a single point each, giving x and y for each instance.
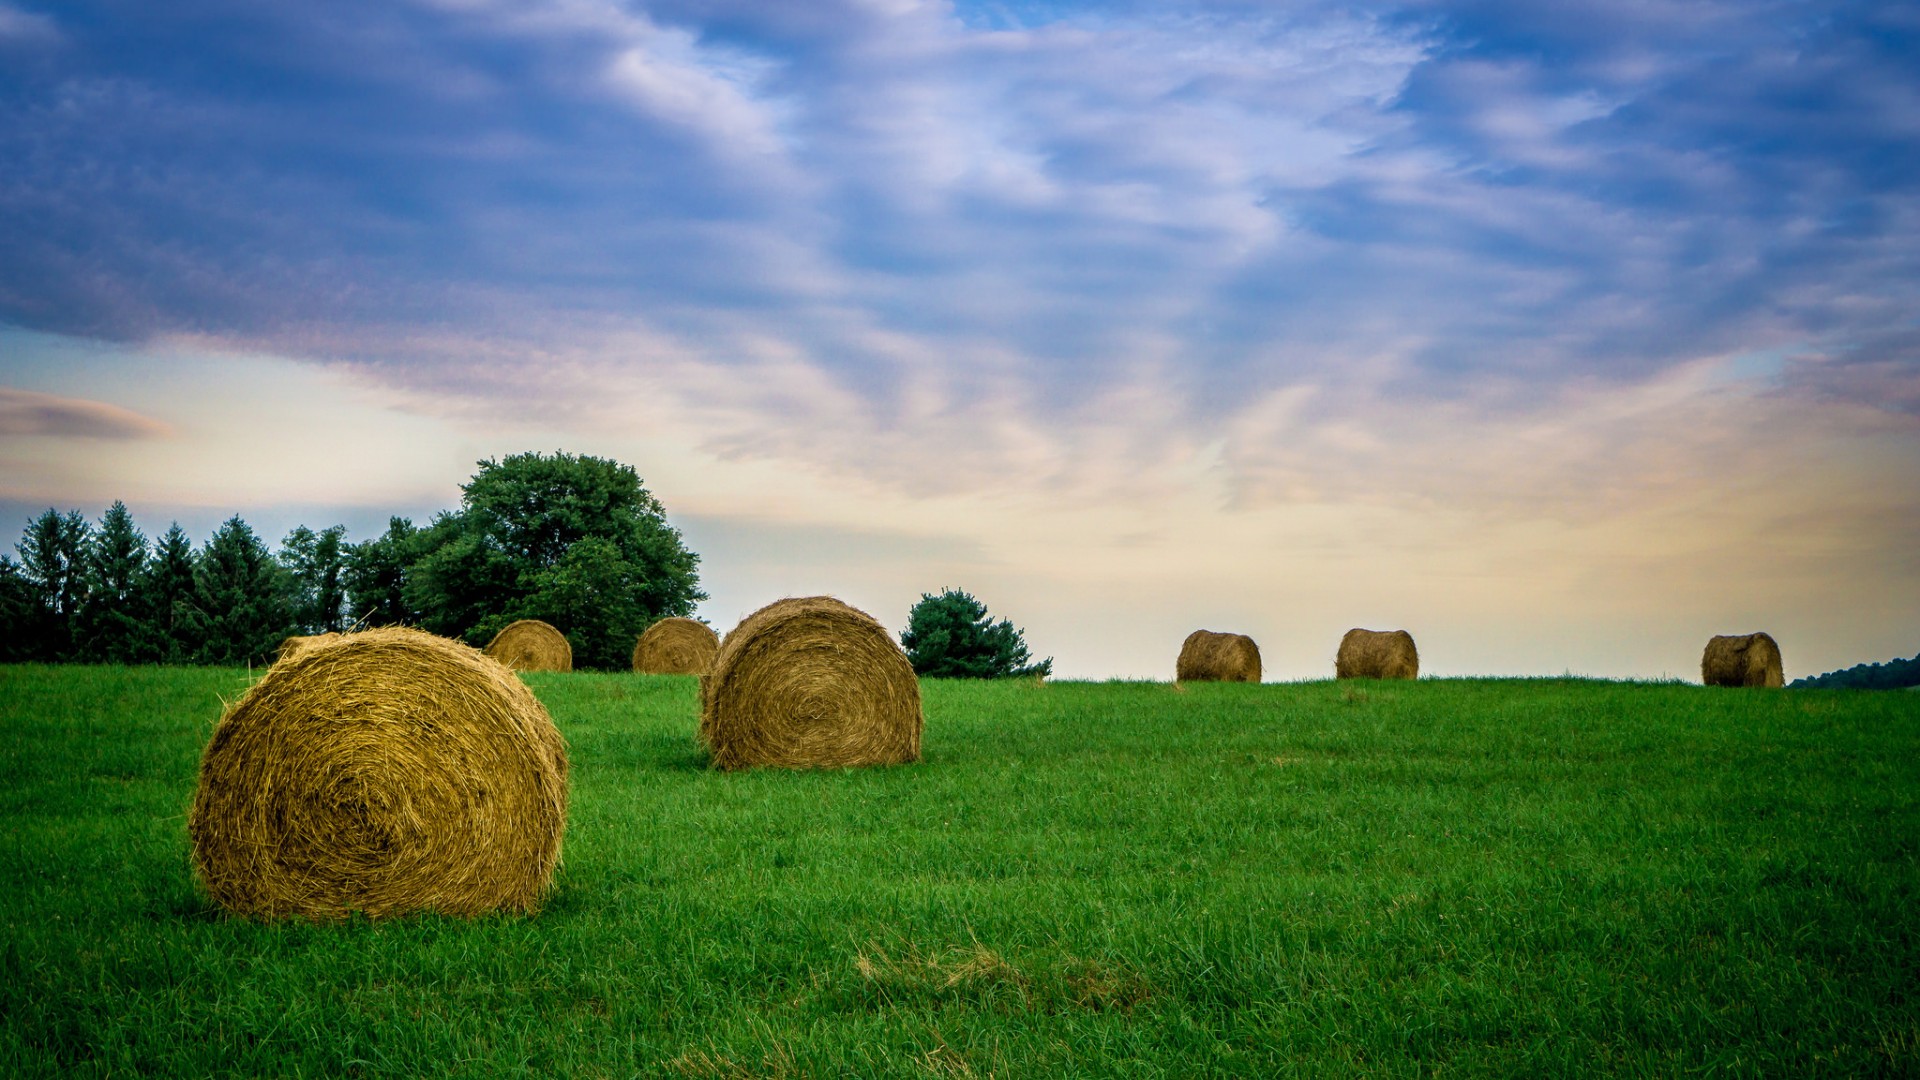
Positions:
(19, 29)
(935, 247)
(25, 412)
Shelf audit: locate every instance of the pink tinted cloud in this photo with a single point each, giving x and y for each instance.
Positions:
(25, 412)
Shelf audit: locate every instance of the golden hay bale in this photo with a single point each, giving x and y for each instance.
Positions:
(1741, 660)
(390, 772)
(676, 646)
(1377, 654)
(1209, 657)
(297, 644)
(810, 682)
(531, 645)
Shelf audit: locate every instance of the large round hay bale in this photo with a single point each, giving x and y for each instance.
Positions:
(1377, 654)
(391, 771)
(531, 645)
(676, 646)
(296, 644)
(810, 682)
(1741, 660)
(1210, 657)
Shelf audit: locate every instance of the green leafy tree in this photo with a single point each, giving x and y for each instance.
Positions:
(1892, 675)
(375, 577)
(572, 593)
(314, 566)
(951, 636)
(53, 559)
(461, 580)
(111, 624)
(239, 612)
(166, 602)
(575, 540)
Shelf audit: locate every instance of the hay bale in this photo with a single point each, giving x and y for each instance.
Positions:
(297, 644)
(1377, 654)
(1209, 657)
(810, 683)
(1741, 660)
(531, 645)
(392, 771)
(676, 646)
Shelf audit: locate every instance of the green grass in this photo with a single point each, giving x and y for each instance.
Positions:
(1456, 877)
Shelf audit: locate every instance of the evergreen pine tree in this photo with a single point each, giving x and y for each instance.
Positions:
(53, 558)
(239, 612)
(951, 636)
(166, 602)
(19, 611)
(110, 625)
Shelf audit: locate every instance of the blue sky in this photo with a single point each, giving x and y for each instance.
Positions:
(1562, 334)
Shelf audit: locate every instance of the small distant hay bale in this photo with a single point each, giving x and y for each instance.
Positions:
(392, 771)
(676, 646)
(298, 644)
(531, 645)
(809, 682)
(1741, 660)
(1210, 657)
(1377, 654)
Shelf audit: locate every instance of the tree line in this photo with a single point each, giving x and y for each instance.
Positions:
(575, 541)
(1892, 675)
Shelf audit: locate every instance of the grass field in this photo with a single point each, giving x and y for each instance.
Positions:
(1459, 877)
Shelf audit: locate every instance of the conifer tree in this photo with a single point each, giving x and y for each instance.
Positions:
(110, 625)
(166, 601)
(19, 610)
(951, 636)
(53, 555)
(239, 612)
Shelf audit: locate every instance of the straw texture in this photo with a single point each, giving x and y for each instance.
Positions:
(531, 645)
(390, 772)
(810, 682)
(676, 646)
(1377, 654)
(1741, 660)
(297, 644)
(1210, 657)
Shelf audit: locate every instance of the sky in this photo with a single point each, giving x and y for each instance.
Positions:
(1563, 334)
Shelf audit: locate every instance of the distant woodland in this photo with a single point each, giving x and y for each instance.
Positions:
(1892, 675)
(573, 541)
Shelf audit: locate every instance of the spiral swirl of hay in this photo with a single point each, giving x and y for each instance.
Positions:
(1209, 657)
(676, 646)
(531, 645)
(1741, 660)
(1377, 654)
(390, 772)
(810, 683)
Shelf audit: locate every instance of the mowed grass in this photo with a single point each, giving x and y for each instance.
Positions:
(1455, 877)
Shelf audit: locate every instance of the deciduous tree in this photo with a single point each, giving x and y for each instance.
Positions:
(575, 540)
(314, 565)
